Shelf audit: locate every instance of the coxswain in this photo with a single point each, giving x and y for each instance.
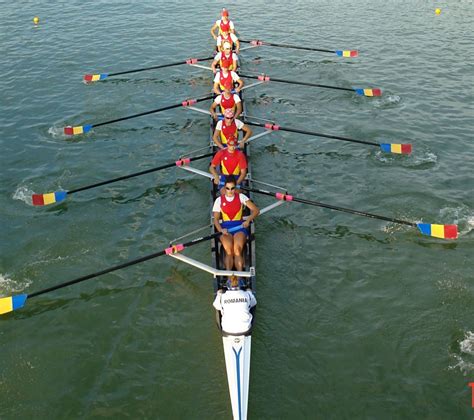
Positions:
(230, 208)
(230, 127)
(234, 305)
(231, 39)
(226, 100)
(231, 162)
(226, 58)
(223, 24)
(224, 77)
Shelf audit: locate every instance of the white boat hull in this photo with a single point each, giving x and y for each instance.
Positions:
(237, 361)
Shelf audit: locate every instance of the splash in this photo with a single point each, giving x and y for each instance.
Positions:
(466, 347)
(9, 286)
(461, 216)
(23, 193)
(57, 132)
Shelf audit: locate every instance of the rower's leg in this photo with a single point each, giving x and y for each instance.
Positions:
(239, 242)
(228, 244)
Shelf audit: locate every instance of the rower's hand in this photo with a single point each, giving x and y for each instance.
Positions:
(246, 224)
(216, 180)
(225, 232)
(214, 115)
(241, 144)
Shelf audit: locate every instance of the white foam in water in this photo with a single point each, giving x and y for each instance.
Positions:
(24, 194)
(9, 286)
(57, 132)
(461, 216)
(466, 346)
(428, 157)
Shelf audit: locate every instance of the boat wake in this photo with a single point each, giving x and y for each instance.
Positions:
(23, 193)
(465, 360)
(9, 286)
(421, 160)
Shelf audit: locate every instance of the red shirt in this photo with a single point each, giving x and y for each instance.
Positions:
(231, 163)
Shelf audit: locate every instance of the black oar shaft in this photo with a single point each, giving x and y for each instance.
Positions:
(337, 208)
(295, 47)
(316, 134)
(120, 266)
(177, 63)
(153, 111)
(293, 82)
(146, 171)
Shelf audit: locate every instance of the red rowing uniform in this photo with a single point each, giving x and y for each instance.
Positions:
(231, 163)
(231, 210)
(227, 131)
(227, 103)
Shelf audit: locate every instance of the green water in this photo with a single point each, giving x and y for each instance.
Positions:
(357, 318)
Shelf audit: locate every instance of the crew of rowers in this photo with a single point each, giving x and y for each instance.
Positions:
(229, 168)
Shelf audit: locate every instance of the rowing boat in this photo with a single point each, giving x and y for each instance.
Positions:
(236, 347)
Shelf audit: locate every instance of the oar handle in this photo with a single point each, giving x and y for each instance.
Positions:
(295, 47)
(146, 171)
(165, 108)
(293, 82)
(328, 206)
(311, 133)
(172, 249)
(161, 66)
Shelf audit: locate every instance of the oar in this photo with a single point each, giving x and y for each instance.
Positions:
(90, 78)
(339, 53)
(11, 303)
(56, 197)
(358, 91)
(437, 231)
(401, 148)
(81, 129)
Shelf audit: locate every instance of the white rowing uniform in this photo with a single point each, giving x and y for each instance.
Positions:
(234, 306)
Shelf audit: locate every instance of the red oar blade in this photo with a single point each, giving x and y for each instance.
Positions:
(11, 303)
(347, 53)
(438, 231)
(91, 78)
(49, 198)
(404, 149)
(369, 92)
(81, 129)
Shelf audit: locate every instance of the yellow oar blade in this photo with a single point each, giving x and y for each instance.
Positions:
(11, 303)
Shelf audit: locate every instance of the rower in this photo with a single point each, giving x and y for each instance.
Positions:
(223, 24)
(226, 100)
(234, 305)
(230, 206)
(229, 37)
(230, 127)
(224, 77)
(225, 57)
(231, 161)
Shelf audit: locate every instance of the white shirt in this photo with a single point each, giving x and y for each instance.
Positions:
(217, 204)
(219, 99)
(232, 37)
(233, 74)
(218, 56)
(235, 309)
(231, 24)
(238, 123)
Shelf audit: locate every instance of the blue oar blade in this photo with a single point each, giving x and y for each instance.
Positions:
(12, 303)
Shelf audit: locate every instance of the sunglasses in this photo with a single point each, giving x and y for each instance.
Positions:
(230, 188)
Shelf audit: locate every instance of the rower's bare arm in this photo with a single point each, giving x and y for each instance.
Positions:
(243, 174)
(213, 66)
(212, 110)
(254, 212)
(248, 132)
(216, 137)
(237, 46)
(214, 27)
(213, 171)
(218, 226)
(240, 82)
(215, 88)
(238, 110)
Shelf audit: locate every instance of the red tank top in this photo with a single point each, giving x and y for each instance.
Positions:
(227, 131)
(227, 103)
(224, 26)
(231, 210)
(227, 60)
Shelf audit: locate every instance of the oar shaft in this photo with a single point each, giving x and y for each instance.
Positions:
(120, 266)
(316, 134)
(295, 47)
(331, 207)
(165, 108)
(177, 63)
(293, 82)
(146, 171)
